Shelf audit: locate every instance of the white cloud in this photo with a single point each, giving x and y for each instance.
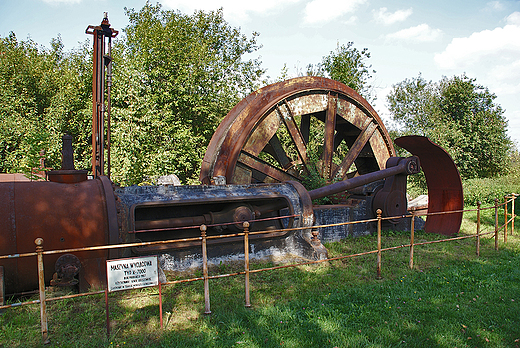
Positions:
(419, 33)
(233, 9)
(319, 11)
(494, 5)
(499, 43)
(513, 18)
(492, 54)
(387, 18)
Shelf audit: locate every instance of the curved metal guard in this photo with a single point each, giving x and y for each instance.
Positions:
(444, 184)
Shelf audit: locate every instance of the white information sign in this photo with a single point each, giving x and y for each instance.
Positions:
(132, 273)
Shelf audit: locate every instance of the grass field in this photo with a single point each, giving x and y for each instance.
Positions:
(451, 298)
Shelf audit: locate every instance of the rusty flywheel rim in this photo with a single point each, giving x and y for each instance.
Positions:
(280, 131)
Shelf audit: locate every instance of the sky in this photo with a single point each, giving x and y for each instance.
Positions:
(405, 38)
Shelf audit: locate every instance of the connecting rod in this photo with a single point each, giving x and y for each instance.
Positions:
(409, 165)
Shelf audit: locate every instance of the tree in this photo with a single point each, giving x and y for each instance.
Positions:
(176, 77)
(459, 115)
(348, 65)
(44, 94)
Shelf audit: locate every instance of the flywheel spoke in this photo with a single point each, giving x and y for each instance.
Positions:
(330, 129)
(355, 150)
(296, 137)
(256, 163)
(305, 127)
(275, 149)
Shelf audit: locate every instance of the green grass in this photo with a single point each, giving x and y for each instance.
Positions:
(451, 298)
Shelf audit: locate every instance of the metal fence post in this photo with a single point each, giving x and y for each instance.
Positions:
(107, 312)
(478, 229)
(207, 309)
(41, 282)
(412, 237)
(496, 223)
(505, 219)
(2, 286)
(513, 198)
(378, 212)
(246, 261)
(160, 304)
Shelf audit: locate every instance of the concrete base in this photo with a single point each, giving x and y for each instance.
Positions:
(355, 210)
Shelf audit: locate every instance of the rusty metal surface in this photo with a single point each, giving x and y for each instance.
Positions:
(444, 184)
(175, 212)
(67, 267)
(67, 174)
(407, 166)
(65, 215)
(251, 128)
(41, 289)
(100, 60)
(330, 130)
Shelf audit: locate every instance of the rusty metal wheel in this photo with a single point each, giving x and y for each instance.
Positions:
(300, 129)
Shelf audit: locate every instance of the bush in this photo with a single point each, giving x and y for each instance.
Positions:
(486, 190)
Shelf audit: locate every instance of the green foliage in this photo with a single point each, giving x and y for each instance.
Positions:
(348, 65)
(44, 94)
(485, 190)
(459, 115)
(176, 77)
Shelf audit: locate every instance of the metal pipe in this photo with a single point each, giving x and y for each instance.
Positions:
(41, 282)
(246, 261)
(408, 165)
(200, 219)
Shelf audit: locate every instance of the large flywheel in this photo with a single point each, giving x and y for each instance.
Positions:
(297, 128)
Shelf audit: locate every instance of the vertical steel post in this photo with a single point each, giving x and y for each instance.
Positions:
(412, 237)
(378, 212)
(108, 63)
(207, 309)
(41, 282)
(246, 261)
(513, 198)
(98, 123)
(505, 219)
(2, 286)
(160, 304)
(478, 228)
(496, 223)
(106, 311)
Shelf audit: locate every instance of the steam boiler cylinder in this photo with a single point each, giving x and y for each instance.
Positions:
(66, 216)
